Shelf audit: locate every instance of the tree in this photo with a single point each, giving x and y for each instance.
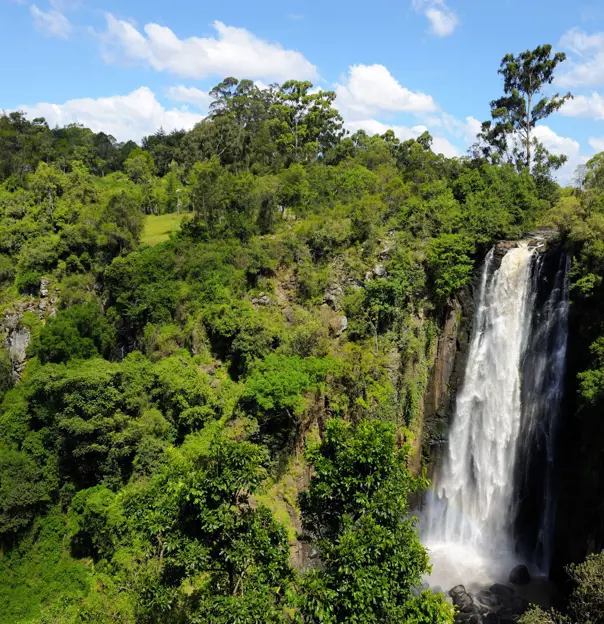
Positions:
(122, 222)
(516, 114)
(139, 166)
(24, 488)
(78, 332)
(450, 261)
(48, 183)
(355, 511)
(304, 124)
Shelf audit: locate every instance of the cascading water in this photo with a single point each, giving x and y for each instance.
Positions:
(470, 517)
(542, 392)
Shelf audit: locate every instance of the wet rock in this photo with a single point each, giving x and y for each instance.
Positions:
(469, 618)
(520, 575)
(490, 618)
(462, 599)
(458, 589)
(501, 591)
(486, 599)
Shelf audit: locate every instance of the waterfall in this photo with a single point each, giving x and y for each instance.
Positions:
(542, 389)
(503, 411)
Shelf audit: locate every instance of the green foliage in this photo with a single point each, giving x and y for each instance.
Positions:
(356, 512)
(521, 107)
(81, 331)
(170, 383)
(450, 263)
(24, 490)
(586, 601)
(39, 571)
(276, 392)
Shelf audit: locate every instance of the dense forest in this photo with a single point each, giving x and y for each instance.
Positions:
(226, 426)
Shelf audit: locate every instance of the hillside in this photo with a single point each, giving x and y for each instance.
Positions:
(215, 357)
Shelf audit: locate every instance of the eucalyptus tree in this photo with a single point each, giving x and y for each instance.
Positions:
(510, 134)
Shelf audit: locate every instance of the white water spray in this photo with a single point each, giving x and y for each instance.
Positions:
(470, 510)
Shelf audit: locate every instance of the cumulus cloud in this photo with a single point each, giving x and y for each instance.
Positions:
(125, 117)
(473, 127)
(585, 106)
(190, 95)
(440, 144)
(586, 65)
(52, 22)
(442, 19)
(371, 89)
(232, 51)
(557, 145)
(597, 143)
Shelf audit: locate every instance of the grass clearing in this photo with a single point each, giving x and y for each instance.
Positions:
(158, 227)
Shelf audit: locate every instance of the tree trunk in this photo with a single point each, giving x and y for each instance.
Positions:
(528, 134)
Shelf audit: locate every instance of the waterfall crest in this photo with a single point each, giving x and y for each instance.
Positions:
(470, 517)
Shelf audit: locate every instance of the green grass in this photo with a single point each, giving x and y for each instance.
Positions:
(158, 227)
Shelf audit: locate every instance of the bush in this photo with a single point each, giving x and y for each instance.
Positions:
(356, 514)
(81, 332)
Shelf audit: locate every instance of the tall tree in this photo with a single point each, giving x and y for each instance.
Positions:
(517, 112)
(304, 123)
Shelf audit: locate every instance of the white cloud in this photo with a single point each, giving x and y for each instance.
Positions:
(440, 144)
(125, 117)
(51, 22)
(473, 127)
(370, 89)
(585, 106)
(190, 95)
(232, 52)
(466, 129)
(557, 145)
(597, 143)
(442, 19)
(586, 66)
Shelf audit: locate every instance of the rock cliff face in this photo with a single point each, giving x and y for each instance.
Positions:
(580, 509)
(15, 338)
(15, 335)
(446, 374)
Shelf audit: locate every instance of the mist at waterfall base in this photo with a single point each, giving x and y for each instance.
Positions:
(491, 504)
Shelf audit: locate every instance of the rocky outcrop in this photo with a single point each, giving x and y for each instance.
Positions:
(15, 335)
(499, 604)
(447, 372)
(15, 339)
(520, 575)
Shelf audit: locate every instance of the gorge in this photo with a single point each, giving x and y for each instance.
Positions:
(492, 500)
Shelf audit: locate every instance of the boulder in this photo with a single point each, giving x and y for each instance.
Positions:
(487, 599)
(341, 325)
(458, 589)
(501, 591)
(462, 599)
(520, 575)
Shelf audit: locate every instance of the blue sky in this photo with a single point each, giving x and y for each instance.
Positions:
(130, 67)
